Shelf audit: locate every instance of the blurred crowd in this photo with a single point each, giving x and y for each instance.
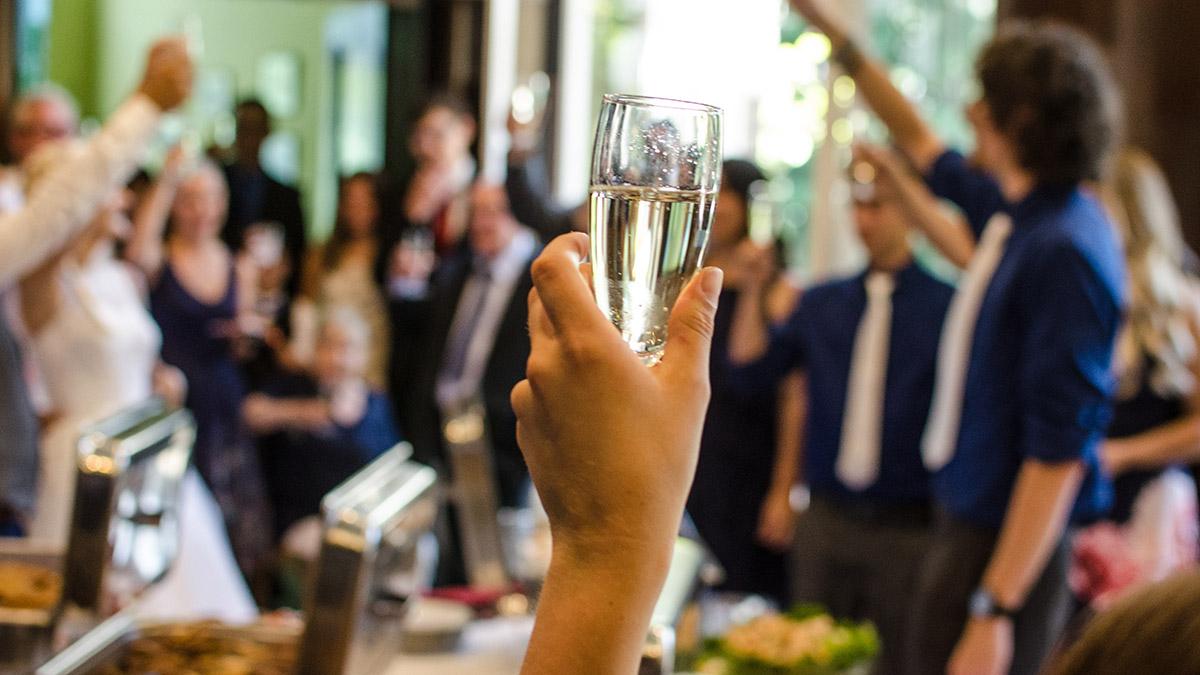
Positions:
(882, 444)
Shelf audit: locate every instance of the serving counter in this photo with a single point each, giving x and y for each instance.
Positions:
(368, 608)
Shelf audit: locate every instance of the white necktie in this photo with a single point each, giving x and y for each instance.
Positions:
(858, 458)
(958, 334)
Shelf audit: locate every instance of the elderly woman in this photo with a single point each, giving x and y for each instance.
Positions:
(197, 294)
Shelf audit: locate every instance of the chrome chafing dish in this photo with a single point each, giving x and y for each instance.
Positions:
(123, 536)
(26, 633)
(124, 524)
(112, 643)
(373, 556)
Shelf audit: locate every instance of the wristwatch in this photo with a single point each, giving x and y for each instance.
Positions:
(983, 605)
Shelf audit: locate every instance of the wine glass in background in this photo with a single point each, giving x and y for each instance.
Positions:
(656, 170)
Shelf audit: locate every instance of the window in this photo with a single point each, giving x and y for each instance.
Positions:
(785, 106)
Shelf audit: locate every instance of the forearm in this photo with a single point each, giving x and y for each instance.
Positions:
(266, 415)
(1177, 441)
(952, 237)
(145, 248)
(65, 201)
(594, 611)
(1037, 514)
(791, 416)
(908, 129)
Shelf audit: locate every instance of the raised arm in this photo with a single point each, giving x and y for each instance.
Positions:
(145, 248)
(612, 448)
(64, 201)
(909, 131)
(952, 236)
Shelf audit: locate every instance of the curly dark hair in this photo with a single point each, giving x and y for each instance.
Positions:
(1049, 88)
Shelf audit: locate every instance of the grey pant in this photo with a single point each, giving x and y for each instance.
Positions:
(957, 559)
(860, 568)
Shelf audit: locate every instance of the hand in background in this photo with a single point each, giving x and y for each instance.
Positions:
(431, 188)
(170, 384)
(776, 520)
(815, 12)
(168, 77)
(985, 648)
(753, 266)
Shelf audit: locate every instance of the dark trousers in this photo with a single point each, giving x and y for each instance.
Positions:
(861, 563)
(957, 559)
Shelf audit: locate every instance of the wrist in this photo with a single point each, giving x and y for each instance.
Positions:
(641, 562)
(848, 56)
(985, 605)
(155, 99)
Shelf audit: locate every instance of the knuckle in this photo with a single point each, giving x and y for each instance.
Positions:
(543, 271)
(520, 398)
(700, 323)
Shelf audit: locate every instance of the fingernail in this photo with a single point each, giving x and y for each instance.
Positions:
(711, 281)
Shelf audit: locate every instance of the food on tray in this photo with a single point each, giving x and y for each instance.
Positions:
(25, 586)
(202, 649)
(805, 641)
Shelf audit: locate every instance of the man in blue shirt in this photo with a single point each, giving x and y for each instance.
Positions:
(868, 346)
(1024, 369)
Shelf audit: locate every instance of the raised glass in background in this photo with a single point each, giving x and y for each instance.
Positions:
(656, 170)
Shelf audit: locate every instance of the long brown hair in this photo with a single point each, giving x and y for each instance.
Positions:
(341, 235)
(1154, 630)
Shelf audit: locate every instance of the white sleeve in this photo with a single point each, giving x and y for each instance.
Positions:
(66, 200)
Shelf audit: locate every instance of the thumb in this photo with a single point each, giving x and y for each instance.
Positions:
(690, 329)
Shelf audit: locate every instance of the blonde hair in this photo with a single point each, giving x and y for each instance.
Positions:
(1162, 308)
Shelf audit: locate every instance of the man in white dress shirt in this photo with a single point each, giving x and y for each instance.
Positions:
(45, 113)
(47, 221)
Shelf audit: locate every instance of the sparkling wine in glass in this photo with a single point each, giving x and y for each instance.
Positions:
(656, 170)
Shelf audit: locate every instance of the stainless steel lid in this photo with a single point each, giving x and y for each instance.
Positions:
(124, 525)
(373, 528)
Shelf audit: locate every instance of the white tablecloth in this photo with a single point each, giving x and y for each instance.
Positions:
(491, 647)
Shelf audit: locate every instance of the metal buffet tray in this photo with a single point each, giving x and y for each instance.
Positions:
(26, 635)
(130, 470)
(373, 526)
(108, 642)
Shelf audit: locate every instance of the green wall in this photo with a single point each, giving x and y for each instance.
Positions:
(97, 50)
(72, 40)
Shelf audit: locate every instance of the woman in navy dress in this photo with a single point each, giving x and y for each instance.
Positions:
(739, 500)
(196, 295)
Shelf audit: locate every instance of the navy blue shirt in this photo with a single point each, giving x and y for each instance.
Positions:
(819, 338)
(1039, 377)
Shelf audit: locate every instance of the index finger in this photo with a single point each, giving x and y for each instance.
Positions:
(563, 291)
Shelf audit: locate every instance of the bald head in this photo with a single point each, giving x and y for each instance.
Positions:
(492, 225)
(47, 113)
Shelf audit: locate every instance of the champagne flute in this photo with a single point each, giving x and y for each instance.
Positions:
(656, 170)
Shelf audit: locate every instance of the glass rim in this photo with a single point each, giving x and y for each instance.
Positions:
(659, 102)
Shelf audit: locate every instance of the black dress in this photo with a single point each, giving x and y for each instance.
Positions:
(223, 452)
(737, 455)
(1139, 413)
